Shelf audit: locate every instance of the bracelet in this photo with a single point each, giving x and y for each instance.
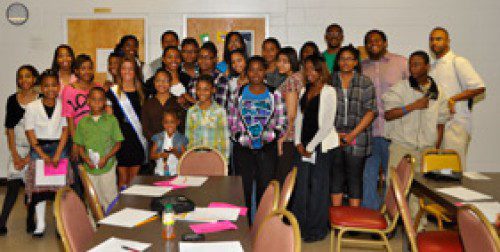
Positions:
(404, 110)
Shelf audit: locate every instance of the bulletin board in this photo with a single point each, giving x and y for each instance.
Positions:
(101, 35)
(254, 29)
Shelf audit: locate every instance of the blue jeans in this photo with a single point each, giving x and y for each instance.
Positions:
(379, 156)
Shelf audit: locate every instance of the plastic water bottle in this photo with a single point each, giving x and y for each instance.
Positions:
(168, 222)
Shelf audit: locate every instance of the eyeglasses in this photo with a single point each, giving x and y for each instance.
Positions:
(347, 59)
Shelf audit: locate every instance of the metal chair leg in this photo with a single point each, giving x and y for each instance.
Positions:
(339, 239)
(419, 215)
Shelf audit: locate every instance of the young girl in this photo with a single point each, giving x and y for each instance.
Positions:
(168, 146)
(237, 75)
(308, 48)
(18, 143)
(74, 96)
(206, 121)
(158, 104)
(270, 50)
(114, 59)
(315, 137)
(355, 112)
(126, 99)
(233, 41)
(62, 64)
(47, 134)
(257, 120)
(288, 65)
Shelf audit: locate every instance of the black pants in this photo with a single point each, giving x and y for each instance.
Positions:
(258, 166)
(285, 161)
(310, 199)
(347, 170)
(13, 187)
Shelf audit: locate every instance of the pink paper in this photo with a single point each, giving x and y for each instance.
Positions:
(243, 210)
(61, 169)
(169, 184)
(213, 227)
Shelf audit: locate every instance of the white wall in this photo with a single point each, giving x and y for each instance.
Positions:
(473, 26)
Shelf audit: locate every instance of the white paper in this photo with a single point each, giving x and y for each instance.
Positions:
(42, 180)
(475, 175)
(311, 159)
(94, 158)
(446, 171)
(115, 244)
(127, 217)
(189, 180)
(212, 214)
(146, 190)
(489, 209)
(177, 89)
(227, 246)
(102, 55)
(463, 193)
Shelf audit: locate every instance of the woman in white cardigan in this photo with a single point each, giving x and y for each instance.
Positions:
(315, 138)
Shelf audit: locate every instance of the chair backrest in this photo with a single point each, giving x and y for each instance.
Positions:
(435, 159)
(287, 189)
(202, 161)
(404, 210)
(476, 232)
(268, 204)
(91, 195)
(275, 235)
(72, 220)
(404, 171)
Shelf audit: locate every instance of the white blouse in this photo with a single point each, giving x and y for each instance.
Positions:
(36, 119)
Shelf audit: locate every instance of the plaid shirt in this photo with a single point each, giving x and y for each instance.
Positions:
(360, 100)
(208, 128)
(220, 84)
(275, 128)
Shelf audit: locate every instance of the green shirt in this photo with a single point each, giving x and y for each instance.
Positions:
(100, 137)
(330, 60)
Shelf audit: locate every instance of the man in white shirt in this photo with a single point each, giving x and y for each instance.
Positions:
(462, 83)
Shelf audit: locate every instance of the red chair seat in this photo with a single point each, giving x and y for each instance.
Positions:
(437, 241)
(359, 217)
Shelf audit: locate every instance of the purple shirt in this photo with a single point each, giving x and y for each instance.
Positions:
(384, 73)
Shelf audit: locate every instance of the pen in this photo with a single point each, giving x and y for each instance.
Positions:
(129, 248)
(147, 221)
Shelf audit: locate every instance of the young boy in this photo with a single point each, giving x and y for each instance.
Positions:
(98, 137)
(206, 121)
(168, 146)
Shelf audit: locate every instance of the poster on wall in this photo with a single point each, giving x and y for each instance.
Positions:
(248, 36)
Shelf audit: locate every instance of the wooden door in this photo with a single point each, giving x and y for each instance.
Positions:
(99, 36)
(216, 29)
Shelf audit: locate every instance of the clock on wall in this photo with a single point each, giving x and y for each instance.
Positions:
(17, 13)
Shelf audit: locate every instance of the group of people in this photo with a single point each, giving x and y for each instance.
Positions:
(335, 116)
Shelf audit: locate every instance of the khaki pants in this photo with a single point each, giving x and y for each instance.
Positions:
(105, 186)
(457, 138)
(396, 153)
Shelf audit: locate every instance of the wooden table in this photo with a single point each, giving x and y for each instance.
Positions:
(221, 189)
(422, 186)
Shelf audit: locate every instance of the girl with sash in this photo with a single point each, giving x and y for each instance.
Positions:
(126, 99)
(18, 143)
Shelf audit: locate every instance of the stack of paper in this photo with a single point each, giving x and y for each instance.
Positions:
(475, 175)
(115, 244)
(243, 210)
(489, 209)
(213, 227)
(229, 246)
(189, 180)
(212, 214)
(127, 217)
(145, 190)
(463, 193)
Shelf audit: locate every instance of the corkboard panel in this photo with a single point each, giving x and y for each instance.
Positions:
(88, 35)
(213, 26)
